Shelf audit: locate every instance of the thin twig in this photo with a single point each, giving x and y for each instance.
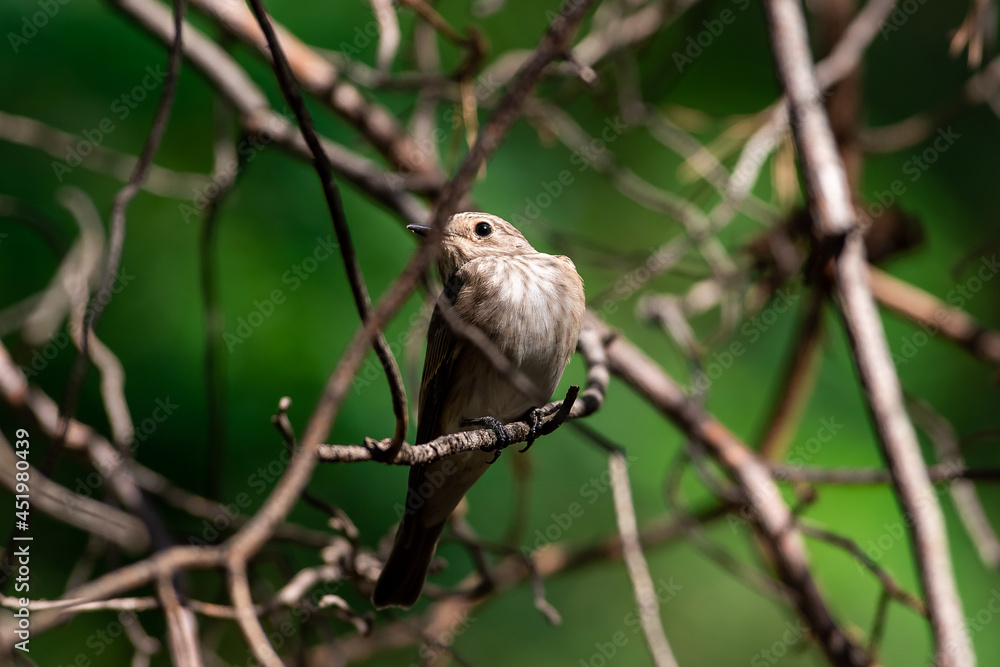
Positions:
(388, 34)
(843, 59)
(321, 79)
(638, 570)
(455, 443)
(797, 384)
(870, 476)
(963, 491)
(181, 625)
(336, 209)
(40, 409)
(935, 316)
(160, 181)
(116, 236)
(246, 615)
(981, 88)
(770, 515)
(260, 121)
(893, 589)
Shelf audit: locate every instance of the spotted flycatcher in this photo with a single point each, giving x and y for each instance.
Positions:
(531, 307)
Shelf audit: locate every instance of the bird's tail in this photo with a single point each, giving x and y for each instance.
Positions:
(403, 576)
(434, 491)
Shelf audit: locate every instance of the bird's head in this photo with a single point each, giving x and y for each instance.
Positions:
(471, 235)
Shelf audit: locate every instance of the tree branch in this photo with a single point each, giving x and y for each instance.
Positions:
(835, 220)
(770, 515)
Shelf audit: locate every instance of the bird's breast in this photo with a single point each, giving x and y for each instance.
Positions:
(532, 307)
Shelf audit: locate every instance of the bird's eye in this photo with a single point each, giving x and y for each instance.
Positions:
(484, 229)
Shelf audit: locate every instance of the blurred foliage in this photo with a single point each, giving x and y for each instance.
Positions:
(88, 55)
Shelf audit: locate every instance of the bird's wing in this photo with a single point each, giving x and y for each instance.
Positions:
(444, 349)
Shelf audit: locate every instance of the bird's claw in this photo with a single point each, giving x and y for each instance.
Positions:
(494, 424)
(534, 419)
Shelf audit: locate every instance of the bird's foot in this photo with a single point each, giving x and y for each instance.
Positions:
(496, 426)
(534, 418)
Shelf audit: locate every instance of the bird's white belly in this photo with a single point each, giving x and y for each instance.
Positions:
(533, 326)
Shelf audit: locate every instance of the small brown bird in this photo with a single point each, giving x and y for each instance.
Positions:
(531, 306)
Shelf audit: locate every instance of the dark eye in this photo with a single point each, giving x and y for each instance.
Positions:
(484, 229)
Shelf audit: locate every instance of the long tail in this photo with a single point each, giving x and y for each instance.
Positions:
(435, 489)
(403, 576)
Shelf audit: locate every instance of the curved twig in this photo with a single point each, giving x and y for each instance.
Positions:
(336, 208)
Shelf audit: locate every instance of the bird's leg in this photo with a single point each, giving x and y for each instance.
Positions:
(534, 418)
(496, 426)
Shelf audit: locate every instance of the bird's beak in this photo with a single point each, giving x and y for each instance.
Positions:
(419, 230)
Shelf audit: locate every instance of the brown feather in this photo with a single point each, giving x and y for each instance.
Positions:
(531, 306)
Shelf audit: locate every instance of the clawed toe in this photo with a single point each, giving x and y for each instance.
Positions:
(534, 419)
(498, 429)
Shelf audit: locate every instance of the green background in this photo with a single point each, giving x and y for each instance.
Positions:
(68, 76)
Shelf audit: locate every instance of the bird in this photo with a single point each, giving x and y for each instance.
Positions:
(531, 306)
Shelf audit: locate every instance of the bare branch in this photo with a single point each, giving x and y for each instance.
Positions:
(638, 569)
(935, 316)
(553, 560)
(867, 476)
(983, 87)
(160, 181)
(589, 401)
(336, 208)
(105, 458)
(116, 235)
(182, 627)
(80, 511)
(321, 79)
(246, 616)
(893, 589)
(388, 34)
(798, 381)
(843, 60)
(835, 221)
(257, 117)
(976, 32)
(963, 491)
(771, 516)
